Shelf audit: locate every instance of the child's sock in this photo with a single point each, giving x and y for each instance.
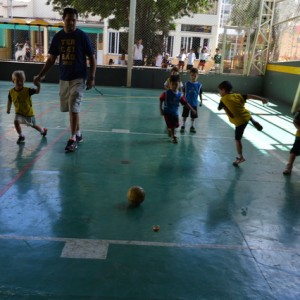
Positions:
(73, 137)
(78, 133)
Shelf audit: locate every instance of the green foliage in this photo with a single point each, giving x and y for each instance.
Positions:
(154, 19)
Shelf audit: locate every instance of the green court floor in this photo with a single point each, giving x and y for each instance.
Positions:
(67, 232)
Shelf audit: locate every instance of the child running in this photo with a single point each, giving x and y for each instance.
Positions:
(295, 151)
(20, 96)
(192, 90)
(234, 106)
(169, 103)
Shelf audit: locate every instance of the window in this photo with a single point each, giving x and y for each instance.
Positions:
(169, 44)
(196, 28)
(117, 42)
(189, 43)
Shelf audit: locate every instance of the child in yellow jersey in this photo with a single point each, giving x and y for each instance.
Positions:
(295, 151)
(20, 96)
(234, 106)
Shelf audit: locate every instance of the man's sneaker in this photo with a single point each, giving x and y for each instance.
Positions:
(182, 129)
(44, 133)
(257, 126)
(79, 138)
(21, 139)
(192, 129)
(71, 146)
(238, 161)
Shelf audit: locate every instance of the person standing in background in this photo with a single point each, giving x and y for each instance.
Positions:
(138, 53)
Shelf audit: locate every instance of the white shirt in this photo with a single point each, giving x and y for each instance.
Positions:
(181, 56)
(191, 57)
(138, 52)
(158, 60)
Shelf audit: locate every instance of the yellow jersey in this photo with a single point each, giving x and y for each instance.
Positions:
(298, 133)
(22, 101)
(234, 106)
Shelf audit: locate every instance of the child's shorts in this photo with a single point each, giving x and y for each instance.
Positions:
(186, 112)
(296, 147)
(239, 131)
(71, 93)
(29, 121)
(181, 63)
(172, 121)
(202, 63)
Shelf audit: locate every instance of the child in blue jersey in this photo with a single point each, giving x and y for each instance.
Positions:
(20, 97)
(169, 103)
(192, 90)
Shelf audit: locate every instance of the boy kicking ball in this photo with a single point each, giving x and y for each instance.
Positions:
(234, 106)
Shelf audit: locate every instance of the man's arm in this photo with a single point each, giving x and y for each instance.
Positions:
(9, 103)
(91, 79)
(49, 63)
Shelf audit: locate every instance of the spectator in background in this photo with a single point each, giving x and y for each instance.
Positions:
(203, 58)
(166, 61)
(190, 59)
(181, 59)
(138, 53)
(158, 60)
(217, 60)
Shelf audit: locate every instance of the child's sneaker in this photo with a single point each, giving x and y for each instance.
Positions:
(174, 140)
(287, 170)
(257, 126)
(21, 140)
(238, 161)
(44, 133)
(79, 138)
(192, 129)
(182, 129)
(71, 146)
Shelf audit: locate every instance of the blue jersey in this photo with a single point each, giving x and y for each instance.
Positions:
(171, 102)
(192, 90)
(72, 49)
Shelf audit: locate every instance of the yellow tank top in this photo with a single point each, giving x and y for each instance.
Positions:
(238, 114)
(22, 102)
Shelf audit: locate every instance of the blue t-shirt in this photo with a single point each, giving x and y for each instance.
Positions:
(72, 49)
(192, 90)
(171, 102)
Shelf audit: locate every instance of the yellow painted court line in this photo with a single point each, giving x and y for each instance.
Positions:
(284, 69)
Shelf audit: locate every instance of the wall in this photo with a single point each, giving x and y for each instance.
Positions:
(281, 81)
(152, 78)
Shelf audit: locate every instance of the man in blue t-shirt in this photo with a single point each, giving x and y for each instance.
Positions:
(72, 46)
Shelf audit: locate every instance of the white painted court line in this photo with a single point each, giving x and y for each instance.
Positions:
(121, 130)
(85, 249)
(98, 249)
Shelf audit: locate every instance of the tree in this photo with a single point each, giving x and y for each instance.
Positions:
(154, 18)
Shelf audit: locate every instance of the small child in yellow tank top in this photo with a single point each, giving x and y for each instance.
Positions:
(234, 106)
(20, 97)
